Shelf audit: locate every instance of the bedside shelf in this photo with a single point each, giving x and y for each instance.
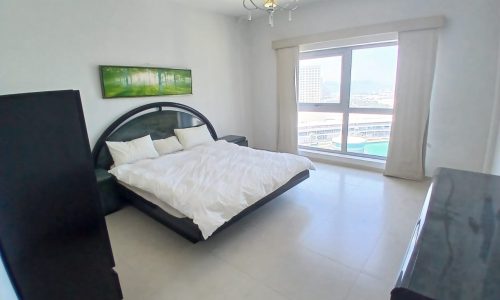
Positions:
(236, 139)
(110, 200)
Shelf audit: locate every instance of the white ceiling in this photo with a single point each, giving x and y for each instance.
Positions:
(228, 7)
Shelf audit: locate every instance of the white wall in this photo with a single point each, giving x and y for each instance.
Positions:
(465, 73)
(58, 44)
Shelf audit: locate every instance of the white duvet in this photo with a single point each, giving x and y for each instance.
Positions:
(213, 182)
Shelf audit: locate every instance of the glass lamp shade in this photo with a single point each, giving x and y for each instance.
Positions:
(270, 4)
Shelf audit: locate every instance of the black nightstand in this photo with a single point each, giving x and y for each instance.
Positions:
(236, 139)
(110, 201)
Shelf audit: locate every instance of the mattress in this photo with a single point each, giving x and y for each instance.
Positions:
(213, 182)
(153, 199)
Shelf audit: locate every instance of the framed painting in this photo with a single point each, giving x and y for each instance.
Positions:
(120, 81)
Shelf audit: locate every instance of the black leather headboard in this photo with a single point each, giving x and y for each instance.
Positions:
(156, 119)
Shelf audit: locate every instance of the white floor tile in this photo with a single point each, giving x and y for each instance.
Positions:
(341, 234)
(370, 288)
(385, 261)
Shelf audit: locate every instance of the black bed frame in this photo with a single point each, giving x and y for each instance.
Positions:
(159, 120)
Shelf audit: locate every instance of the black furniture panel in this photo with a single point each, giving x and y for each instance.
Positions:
(237, 139)
(455, 251)
(52, 231)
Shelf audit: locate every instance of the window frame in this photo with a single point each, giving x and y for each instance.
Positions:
(345, 95)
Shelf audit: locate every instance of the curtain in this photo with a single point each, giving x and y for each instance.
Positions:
(415, 75)
(287, 65)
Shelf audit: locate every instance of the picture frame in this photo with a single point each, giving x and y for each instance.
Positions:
(132, 81)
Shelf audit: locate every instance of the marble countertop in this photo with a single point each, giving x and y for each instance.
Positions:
(457, 253)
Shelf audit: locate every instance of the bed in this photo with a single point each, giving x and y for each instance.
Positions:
(159, 121)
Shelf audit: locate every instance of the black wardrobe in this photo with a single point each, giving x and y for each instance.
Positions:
(53, 236)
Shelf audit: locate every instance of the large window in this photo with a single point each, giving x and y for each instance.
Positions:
(346, 97)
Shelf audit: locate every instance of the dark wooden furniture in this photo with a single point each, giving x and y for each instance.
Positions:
(111, 201)
(455, 249)
(159, 120)
(237, 139)
(156, 119)
(53, 236)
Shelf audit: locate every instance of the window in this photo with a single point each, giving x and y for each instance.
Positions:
(346, 97)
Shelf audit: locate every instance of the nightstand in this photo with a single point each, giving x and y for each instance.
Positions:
(236, 139)
(110, 200)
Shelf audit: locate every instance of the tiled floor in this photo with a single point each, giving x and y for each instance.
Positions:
(341, 234)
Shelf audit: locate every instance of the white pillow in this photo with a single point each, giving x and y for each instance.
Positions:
(134, 150)
(193, 136)
(168, 145)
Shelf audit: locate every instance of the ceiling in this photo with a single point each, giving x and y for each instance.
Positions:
(228, 7)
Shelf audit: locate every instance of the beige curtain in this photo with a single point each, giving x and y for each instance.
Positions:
(415, 76)
(287, 65)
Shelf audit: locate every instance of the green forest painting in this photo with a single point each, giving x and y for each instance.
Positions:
(144, 81)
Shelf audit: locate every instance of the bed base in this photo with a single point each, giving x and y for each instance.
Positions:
(159, 121)
(185, 226)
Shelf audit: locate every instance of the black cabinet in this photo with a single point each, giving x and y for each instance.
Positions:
(53, 235)
(455, 250)
(237, 139)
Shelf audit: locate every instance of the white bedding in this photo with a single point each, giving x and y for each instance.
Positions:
(213, 182)
(153, 199)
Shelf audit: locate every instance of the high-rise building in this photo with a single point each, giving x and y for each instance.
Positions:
(310, 84)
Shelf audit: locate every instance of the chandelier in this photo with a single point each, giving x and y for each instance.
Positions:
(270, 6)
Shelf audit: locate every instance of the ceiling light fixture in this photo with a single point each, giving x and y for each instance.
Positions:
(270, 6)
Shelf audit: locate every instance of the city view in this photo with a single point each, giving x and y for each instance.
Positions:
(372, 85)
(368, 133)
